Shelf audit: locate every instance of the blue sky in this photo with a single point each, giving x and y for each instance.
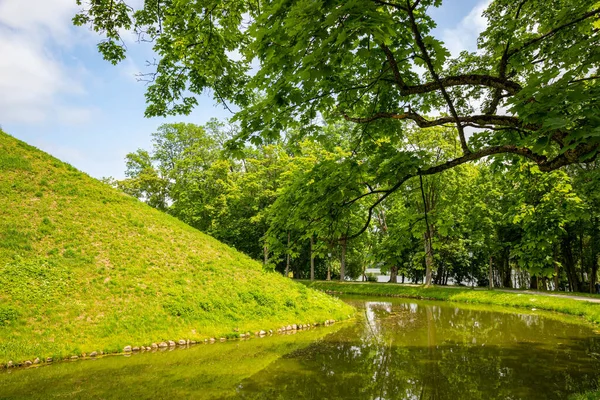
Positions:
(58, 94)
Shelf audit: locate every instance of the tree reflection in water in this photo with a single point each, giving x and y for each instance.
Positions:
(424, 350)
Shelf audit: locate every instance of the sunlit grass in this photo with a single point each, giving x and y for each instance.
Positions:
(85, 268)
(589, 311)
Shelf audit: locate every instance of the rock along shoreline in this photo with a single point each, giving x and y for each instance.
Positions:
(169, 345)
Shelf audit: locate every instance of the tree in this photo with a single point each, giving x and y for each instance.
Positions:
(356, 60)
(530, 92)
(305, 206)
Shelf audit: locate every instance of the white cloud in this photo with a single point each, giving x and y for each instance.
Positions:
(38, 17)
(464, 35)
(32, 81)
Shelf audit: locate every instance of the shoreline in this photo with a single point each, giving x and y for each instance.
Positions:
(170, 345)
(588, 310)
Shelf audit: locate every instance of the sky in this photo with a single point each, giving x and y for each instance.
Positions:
(58, 94)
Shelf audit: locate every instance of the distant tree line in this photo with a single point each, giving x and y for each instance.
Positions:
(300, 206)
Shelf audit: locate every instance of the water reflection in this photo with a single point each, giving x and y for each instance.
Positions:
(396, 350)
(416, 350)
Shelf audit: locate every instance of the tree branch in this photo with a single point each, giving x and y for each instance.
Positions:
(427, 58)
(481, 120)
(553, 31)
(488, 151)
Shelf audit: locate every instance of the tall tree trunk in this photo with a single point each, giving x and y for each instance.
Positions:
(569, 262)
(507, 276)
(329, 263)
(393, 275)
(344, 243)
(581, 264)
(312, 259)
(428, 238)
(287, 260)
(594, 263)
(428, 258)
(534, 282)
(439, 275)
(491, 273)
(556, 273)
(266, 254)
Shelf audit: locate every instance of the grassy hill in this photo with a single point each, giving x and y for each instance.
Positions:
(85, 268)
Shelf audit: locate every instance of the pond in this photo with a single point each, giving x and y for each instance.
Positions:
(395, 349)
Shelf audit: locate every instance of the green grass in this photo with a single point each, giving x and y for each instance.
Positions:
(202, 372)
(84, 268)
(594, 395)
(589, 311)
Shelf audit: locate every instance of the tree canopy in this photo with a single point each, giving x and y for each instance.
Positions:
(525, 103)
(531, 89)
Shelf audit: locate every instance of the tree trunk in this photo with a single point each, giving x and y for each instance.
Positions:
(507, 276)
(394, 275)
(266, 254)
(569, 262)
(312, 260)
(428, 236)
(343, 260)
(534, 283)
(287, 260)
(428, 258)
(491, 273)
(329, 263)
(594, 272)
(594, 263)
(581, 264)
(439, 275)
(556, 272)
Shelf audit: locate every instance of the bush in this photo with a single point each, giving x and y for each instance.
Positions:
(371, 277)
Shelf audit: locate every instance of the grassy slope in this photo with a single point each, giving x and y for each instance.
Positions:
(589, 311)
(84, 267)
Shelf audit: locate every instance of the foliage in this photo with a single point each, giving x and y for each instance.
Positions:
(300, 68)
(356, 60)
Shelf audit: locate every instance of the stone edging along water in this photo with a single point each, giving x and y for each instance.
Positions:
(171, 345)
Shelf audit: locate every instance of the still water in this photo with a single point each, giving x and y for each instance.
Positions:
(395, 349)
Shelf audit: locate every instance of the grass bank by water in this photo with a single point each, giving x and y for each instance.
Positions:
(202, 372)
(84, 267)
(589, 311)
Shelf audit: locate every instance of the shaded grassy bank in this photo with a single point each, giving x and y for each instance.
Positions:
(589, 311)
(84, 267)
